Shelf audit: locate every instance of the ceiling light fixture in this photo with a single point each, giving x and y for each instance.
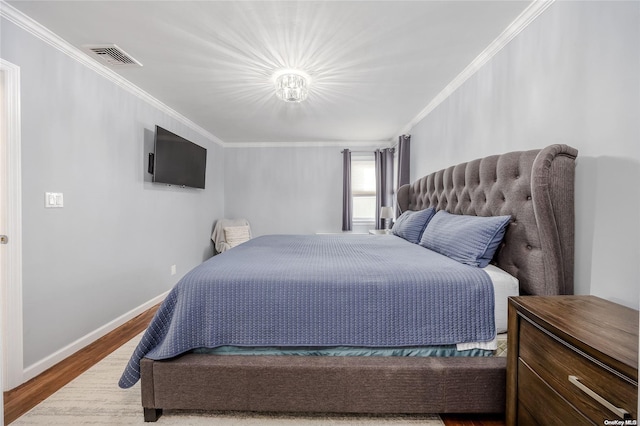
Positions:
(292, 85)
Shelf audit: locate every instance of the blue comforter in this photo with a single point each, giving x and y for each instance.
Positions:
(320, 290)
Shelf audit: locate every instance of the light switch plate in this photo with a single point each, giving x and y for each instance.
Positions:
(53, 200)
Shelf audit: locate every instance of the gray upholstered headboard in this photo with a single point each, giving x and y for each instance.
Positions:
(536, 188)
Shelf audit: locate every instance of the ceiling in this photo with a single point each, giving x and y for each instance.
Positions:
(374, 65)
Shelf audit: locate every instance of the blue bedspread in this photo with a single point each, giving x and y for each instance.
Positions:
(320, 290)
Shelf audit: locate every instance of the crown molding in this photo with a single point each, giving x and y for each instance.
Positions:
(310, 144)
(520, 23)
(38, 30)
(33, 27)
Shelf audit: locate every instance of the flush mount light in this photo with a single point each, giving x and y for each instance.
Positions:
(292, 85)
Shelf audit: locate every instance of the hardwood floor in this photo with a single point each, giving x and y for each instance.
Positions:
(26, 396)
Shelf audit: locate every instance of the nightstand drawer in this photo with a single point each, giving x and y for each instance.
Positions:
(576, 377)
(535, 394)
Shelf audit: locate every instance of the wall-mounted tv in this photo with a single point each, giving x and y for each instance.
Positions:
(177, 161)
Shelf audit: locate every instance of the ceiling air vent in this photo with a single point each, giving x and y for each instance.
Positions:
(112, 55)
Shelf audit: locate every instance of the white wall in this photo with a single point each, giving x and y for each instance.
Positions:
(286, 190)
(572, 76)
(109, 250)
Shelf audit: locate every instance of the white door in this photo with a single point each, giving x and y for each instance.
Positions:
(3, 203)
(11, 374)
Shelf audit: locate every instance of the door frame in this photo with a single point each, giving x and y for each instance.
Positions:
(11, 306)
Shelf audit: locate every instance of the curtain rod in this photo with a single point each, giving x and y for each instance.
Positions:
(405, 136)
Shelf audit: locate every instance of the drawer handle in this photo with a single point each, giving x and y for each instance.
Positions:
(617, 410)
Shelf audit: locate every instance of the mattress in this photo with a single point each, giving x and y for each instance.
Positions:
(416, 351)
(504, 286)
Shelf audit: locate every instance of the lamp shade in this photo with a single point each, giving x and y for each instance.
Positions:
(386, 212)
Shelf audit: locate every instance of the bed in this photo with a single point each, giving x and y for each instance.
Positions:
(534, 189)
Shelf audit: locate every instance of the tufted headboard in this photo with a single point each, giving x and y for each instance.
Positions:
(536, 188)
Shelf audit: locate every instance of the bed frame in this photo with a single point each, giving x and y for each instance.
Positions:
(535, 187)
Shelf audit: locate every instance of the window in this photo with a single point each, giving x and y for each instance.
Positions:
(363, 187)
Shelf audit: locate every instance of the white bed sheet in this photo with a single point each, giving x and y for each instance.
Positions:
(504, 285)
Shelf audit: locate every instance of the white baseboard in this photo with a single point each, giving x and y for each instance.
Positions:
(39, 367)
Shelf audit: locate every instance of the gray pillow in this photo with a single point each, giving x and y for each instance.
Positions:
(472, 240)
(411, 224)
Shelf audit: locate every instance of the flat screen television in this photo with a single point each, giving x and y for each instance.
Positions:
(177, 161)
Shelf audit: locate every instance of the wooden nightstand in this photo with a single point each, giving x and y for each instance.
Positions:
(571, 360)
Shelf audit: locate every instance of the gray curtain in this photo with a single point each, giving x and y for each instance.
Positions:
(384, 182)
(404, 155)
(347, 200)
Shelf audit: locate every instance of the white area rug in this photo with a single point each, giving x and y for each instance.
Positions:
(94, 398)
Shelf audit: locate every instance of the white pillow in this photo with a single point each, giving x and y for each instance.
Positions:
(235, 235)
